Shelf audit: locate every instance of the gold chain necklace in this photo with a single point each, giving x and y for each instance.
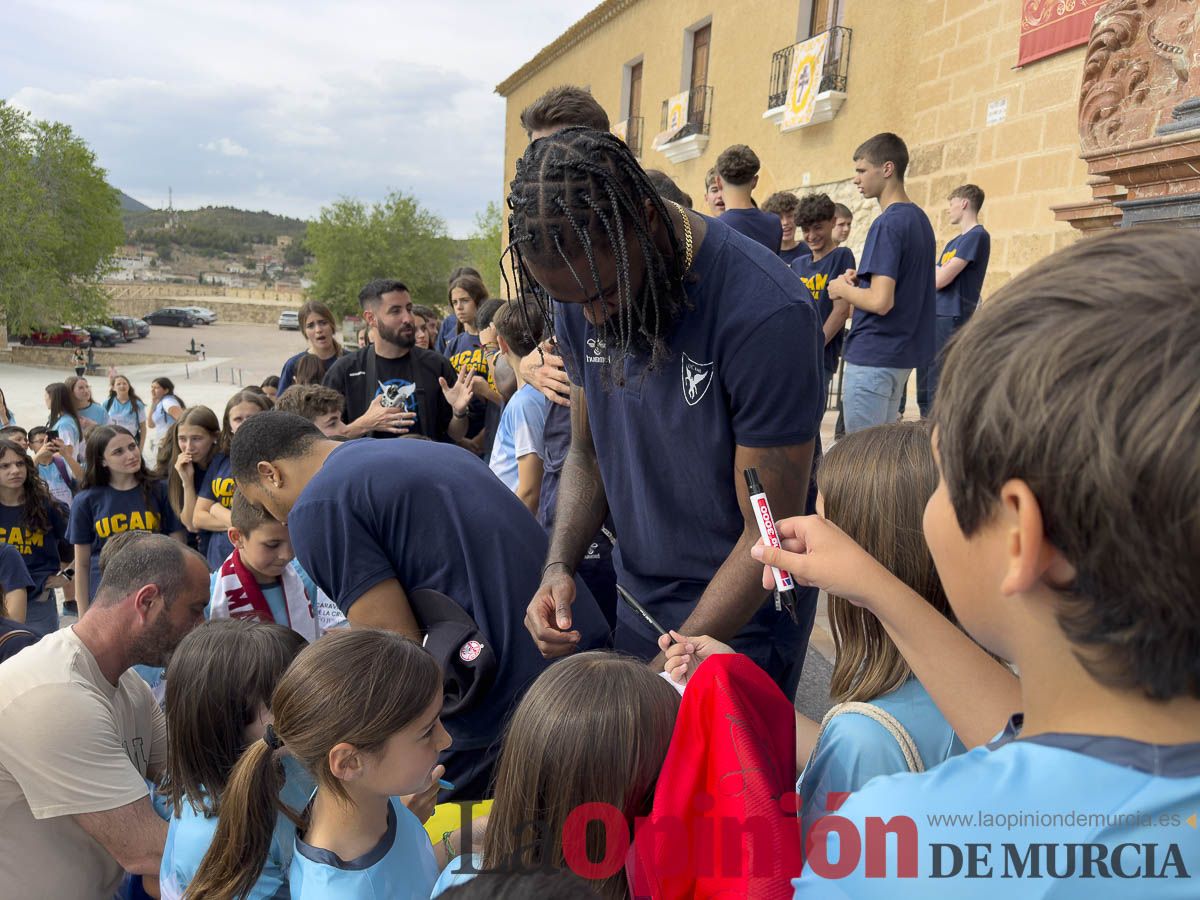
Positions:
(687, 237)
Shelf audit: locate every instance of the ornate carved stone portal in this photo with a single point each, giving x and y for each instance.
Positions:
(1139, 115)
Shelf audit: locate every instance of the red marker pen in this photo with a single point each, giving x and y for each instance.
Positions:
(766, 528)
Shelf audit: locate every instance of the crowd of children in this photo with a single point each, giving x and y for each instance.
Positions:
(1011, 580)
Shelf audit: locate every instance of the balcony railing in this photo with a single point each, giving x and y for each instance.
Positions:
(833, 77)
(634, 129)
(699, 118)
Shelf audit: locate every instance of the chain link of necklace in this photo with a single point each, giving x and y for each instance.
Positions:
(687, 237)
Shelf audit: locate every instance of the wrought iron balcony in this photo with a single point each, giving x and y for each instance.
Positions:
(833, 77)
(699, 117)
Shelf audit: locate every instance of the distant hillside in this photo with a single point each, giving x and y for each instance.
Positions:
(128, 204)
(213, 227)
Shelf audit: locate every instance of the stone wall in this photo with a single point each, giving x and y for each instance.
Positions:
(257, 312)
(59, 358)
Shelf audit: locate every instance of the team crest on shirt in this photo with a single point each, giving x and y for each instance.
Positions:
(469, 652)
(597, 351)
(696, 379)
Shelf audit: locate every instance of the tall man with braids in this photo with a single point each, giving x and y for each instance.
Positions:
(693, 356)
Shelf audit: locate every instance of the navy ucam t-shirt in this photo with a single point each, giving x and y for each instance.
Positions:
(218, 486)
(745, 369)
(434, 516)
(38, 549)
(14, 576)
(100, 512)
(900, 245)
(816, 277)
(961, 296)
(757, 225)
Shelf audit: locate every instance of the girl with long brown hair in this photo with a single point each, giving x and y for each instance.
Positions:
(359, 711)
(320, 329)
(218, 702)
(570, 743)
(35, 524)
(183, 461)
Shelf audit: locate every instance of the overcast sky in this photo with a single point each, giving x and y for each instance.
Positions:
(282, 106)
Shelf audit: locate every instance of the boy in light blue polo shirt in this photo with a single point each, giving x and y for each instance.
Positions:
(1065, 531)
(519, 450)
(892, 292)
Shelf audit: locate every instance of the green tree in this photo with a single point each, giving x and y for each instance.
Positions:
(294, 254)
(485, 246)
(352, 244)
(60, 226)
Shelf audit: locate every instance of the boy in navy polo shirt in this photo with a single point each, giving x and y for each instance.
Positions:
(824, 262)
(374, 521)
(960, 272)
(1085, 583)
(699, 361)
(737, 176)
(892, 292)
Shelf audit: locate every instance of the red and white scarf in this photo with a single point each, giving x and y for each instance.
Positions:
(236, 595)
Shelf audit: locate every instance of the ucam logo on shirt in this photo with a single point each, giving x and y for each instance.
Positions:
(696, 379)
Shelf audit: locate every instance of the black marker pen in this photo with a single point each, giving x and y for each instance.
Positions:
(640, 610)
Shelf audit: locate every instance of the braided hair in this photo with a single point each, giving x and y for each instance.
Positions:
(586, 186)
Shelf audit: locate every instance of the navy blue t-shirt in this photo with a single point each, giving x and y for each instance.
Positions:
(900, 245)
(961, 296)
(757, 225)
(435, 516)
(38, 549)
(745, 369)
(218, 486)
(467, 350)
(446, 333)
(13, 573)
(100, 512)
(556, 441)
(790, 256)
(816, 277)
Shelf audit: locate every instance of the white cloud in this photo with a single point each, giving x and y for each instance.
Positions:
(356, 98)
(225, 147)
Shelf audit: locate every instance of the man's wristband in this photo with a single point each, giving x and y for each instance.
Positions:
(550, 566)
(461, 415)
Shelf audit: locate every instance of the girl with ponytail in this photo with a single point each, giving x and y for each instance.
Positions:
(359, 711)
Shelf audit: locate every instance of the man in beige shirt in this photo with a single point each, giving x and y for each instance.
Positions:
(80, 731)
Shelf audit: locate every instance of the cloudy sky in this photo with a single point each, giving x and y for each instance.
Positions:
(282, 106)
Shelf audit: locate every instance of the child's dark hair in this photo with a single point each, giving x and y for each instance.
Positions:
(247, 517)
(62, 403)
(37, 502)
(486, 313)
(738, 165)
(14, 429)
(1079, 378)
(561, 107)
(782, 203)
(815, 208)
(842, 211)
(254, 398)
(521, 324)
(474, 287)
(580, 193)
(271, 381)
(218, 677)
(308, 370)
(359, 686)
(169, 387)
(667, 188)
(310, 401)
(561, 884)
(885, 148)
(270, 436)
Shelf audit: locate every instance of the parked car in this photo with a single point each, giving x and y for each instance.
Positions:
(103, 336)
(203, 313)
(143, 327)
(66, 336)
(289, 320)
(127, 326)
(172, 315)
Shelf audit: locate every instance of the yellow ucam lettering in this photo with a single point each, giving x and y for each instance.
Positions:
(223, 489)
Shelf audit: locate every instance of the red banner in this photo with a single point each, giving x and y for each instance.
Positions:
(1051, 26)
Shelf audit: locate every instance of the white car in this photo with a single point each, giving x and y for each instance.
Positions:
(289, 320)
